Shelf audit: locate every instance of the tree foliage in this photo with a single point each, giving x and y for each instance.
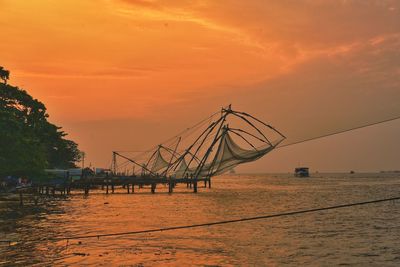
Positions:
(29, 143)
(4, 74)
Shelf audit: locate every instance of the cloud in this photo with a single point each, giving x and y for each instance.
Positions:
(143, 3)
(161, 60)
(331, 92)
(180, 12)
(84, 72)
(295, 31)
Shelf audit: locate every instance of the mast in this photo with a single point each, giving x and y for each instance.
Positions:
(225, 112)
(207, 132)
(224, 132)
(172, 156)
(114, 163)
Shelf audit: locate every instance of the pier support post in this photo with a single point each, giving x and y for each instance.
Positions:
(127, 187)
(133, 188)
(112, 187)
(107, 188)
(21, 199)
(86, 187)
(170, 186)
(195, 186)
(153, 188)
(209, 182)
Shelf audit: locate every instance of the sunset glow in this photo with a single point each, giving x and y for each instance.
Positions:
(113, 71)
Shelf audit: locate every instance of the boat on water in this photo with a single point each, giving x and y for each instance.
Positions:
(302, 172)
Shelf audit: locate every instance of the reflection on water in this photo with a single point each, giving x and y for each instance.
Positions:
(360, 235)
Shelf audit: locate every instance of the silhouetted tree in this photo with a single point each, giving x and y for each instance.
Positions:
(29, 143)
(4, 74)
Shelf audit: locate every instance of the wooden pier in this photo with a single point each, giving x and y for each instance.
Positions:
(110, 184)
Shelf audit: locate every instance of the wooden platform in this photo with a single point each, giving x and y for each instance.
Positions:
(111, 184)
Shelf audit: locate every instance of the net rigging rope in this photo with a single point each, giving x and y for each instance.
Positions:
(262, 217)
(339, 132)
(187, 132)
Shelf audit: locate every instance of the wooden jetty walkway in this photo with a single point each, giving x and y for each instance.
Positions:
(110, 185)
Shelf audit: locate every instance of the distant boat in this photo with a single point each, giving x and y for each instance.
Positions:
(302, 172)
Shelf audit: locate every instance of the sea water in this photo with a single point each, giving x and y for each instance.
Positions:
(363, 235)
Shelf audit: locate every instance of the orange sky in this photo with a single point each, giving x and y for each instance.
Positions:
(125, 74)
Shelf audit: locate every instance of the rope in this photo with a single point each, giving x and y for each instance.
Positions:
(339, 132)
(173, 228)
(179, 134)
